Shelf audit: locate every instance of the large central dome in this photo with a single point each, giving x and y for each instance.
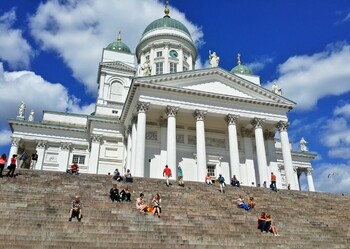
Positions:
(166, 22)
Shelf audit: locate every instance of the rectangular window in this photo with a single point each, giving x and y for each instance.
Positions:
(173, 67)
(159, 54)
(185, 69)
(79, 159)
(211, 170)
(159, 68)
(147, 58)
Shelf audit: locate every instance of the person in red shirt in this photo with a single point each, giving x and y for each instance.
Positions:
(273, 182)
(3, 160)
(167, 174)
(12, 166)
(74, 169)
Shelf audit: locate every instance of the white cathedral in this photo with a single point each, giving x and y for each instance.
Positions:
(155, 109)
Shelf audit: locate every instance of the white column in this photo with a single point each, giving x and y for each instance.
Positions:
(94, 153)
(14, 148)
(310, 181)
(166, 66)
(287, 155)
(171, 111)
(151, 59)
(180, 66)
(40, 149)
(128, 148)
(134, 142)
(249, 170)
(201, 152)
(101, 88)
(163, 147)
(296, 178)
(64, 157)
(142, 108)
(272, 158)
(233, 145)
(260, 150)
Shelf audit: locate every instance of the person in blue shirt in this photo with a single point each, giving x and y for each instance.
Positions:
(221, 180)
(180, 177)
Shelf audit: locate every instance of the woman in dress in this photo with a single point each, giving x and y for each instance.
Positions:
(156, 205)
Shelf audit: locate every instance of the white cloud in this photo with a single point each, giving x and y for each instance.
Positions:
(257, 66)
(307, 78)
(4, 137)
(332, 178)
(37, 93)
(78, 30)
(14, 49)
(343, 110)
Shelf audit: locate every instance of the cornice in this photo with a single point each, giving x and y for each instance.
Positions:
(45, 126)
(300, 154)
(117, 65)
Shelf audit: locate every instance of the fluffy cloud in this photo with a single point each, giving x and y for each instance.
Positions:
(78, 30)
(343, 110)
(307, 78)
(332, 178)
(37, 93)
(14, 49)
(259, 65)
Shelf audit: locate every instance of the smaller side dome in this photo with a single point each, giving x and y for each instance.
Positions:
(119, 46)
(241, 69)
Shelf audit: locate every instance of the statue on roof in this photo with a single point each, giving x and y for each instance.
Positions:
(213, 59)
(21, 110)
(276, 89)
(303, 143)
(31, 116)
(146, 68)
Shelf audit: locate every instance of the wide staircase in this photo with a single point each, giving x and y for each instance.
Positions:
(34, 214)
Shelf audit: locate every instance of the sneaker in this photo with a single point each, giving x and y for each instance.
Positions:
(70, 219)
(277, 235)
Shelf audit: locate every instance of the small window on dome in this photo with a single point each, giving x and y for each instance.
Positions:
(159, 68)
(159, 54)
(173, 67)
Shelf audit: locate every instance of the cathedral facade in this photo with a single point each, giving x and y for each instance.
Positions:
(155, 109)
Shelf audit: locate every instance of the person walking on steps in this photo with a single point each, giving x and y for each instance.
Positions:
(221, 180)
(167, 174)
(273, 182)
(180, 177)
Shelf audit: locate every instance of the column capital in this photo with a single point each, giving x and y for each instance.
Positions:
(199, 115)
(309, 171)
(15, 141)
(231, 119)
(95, 138)
(41, 144)
(142, 106)
(171, 111)
(257, 123)
(65, 146)
(282, 125)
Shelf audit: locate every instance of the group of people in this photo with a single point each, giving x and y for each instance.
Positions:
(265, 224)
(234, 181)
(155, 207)
(13, 163)
(168, 174)
(247, 206)
(123, 195)
(127, 176)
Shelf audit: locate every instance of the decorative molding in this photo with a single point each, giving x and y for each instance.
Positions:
(231, 119)
(152, 135)
(215, 142)
(15, 141)
(282, 126)
(117, 65)
(199, 115)
(171, 111)
(142, 106)
(309, 171)
(180, 138)
(41, 144)
(257, 123)
(65, 146)
(95, 138)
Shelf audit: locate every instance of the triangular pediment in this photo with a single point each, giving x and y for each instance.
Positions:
(216, 81)
(117, 65)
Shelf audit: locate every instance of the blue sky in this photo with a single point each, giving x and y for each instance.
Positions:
(50, 50)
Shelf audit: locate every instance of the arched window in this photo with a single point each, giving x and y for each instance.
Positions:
(117, 91)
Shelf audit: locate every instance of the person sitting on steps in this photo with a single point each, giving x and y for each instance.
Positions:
(74, 169)
(235, 182)
(251, 202)
(127, 176)
(141, 203)
(241, 203)
(208, 179)
(76, 209)
(3, 160)
(273, 229)
(114, 193)
(156, 205)
(117, 176)
(125, 193)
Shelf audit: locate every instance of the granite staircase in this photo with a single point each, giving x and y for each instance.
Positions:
(34, 214)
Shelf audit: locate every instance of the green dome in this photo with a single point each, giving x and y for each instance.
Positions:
(166, 21)
(242, 70)
(119, 46)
